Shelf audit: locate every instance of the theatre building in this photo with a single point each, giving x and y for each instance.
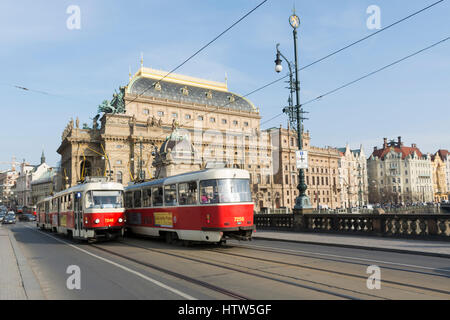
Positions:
(220, 127)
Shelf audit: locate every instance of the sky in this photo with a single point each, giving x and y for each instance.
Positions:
(71, 71)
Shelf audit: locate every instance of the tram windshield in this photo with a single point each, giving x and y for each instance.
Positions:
(225, 191)
(102, 199)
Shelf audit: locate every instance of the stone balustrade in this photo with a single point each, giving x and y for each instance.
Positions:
(433, 226)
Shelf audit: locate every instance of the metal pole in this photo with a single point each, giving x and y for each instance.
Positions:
(302, 185)
(140, 160)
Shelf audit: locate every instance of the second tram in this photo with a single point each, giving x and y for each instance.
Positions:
(211, 205)
(91, 210)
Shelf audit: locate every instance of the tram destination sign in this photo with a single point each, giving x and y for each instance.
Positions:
(301, 159)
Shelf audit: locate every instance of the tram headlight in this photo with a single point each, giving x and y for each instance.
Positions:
(97, 221)
(120, 220)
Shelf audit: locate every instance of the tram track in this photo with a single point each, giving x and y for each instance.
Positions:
(339, 289)
(392, 284)
(204, 284)
(251, 272)
(340, 273)
(343, 259)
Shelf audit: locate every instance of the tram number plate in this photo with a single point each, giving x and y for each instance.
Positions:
(109, 220)
(239, 220)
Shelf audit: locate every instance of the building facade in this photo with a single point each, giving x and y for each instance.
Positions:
(27, 175)
(440, 175)
(224, 129)
(44, 186)
(353, 179)
(8, 181)
(322, 175)
(399, 175)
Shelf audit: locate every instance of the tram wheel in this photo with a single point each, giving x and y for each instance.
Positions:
(222, 242)
(186, 243)
(169, 237)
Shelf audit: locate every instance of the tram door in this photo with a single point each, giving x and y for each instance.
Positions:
(78, 214)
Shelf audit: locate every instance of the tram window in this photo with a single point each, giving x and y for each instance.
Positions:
(208, 191)
(104, 199)
(146, 198)
(225, 191)
(187, 193)
(69, 203)
(129, 200)
(137, 198)
(157, 196)
(170, 195)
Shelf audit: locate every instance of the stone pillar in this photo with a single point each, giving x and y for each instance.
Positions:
(300, 219)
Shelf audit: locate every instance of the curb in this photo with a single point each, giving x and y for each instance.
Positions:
(351, 246)
(30, 284)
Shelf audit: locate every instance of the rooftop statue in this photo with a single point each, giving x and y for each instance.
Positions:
(116, 105)
(118, 101)
(106, 107)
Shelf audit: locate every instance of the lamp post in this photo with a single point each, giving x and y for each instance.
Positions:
(140, 175)
(302, 203)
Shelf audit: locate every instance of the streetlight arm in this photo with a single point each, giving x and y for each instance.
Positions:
(287, 61)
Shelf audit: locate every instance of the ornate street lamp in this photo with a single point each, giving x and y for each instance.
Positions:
(140, 175)
(295, 113)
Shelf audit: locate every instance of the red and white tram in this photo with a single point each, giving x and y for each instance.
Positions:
(208, 206)
(90, 210)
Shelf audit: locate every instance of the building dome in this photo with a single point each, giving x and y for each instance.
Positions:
(181, 146)
(175, 87)
(176, 155)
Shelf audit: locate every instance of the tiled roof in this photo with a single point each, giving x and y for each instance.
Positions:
(443, 154)
(405, 151)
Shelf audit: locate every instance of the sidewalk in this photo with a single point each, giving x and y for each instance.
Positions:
(17, 281)
(429, 248)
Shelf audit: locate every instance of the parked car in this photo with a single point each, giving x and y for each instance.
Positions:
(9, 218)
(2, 217)
(28, 217)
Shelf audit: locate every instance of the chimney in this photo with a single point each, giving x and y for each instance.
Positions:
(400, 144)
(384, 142)
(414, 145)
(375, 148)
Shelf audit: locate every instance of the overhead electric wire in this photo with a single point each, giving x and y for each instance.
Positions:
(44, 92)
(201, 49)
(349, 45)
(365, 76)
(277, 80)
(328, 56)
(376, 71)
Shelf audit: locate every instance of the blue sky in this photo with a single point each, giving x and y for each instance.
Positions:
(81, 68)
